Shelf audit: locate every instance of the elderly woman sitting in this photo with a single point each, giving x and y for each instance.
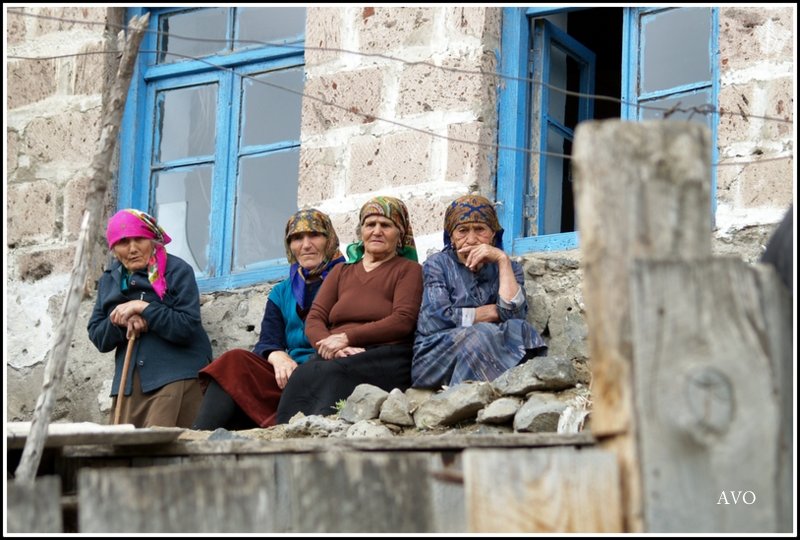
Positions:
(472, 323)
(243, 388)
(363, 319)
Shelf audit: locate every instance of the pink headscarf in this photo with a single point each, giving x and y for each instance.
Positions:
(131, 223)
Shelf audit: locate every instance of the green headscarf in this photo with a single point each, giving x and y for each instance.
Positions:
(395, 210)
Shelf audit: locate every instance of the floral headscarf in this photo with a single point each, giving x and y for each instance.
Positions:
(311, 220)
(472, 209)
(132, 223)
(394, 209)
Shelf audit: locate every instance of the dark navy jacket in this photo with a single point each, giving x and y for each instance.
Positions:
(175, 346)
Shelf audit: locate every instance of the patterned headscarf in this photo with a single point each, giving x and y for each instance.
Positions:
(394, 209)
(311, 220)
(132, 223)
(472, 209)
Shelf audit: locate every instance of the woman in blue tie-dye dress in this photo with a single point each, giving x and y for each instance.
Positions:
(472, 324)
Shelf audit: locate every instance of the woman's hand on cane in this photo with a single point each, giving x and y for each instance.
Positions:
(136, 326)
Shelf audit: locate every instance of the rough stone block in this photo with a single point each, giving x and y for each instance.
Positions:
(30, 81)
(392, 160)
(31, 211)
(323, 30)
(71, 136)
(744, 102)
(479, 22)
(469, 164)
(92, 70)
(753, 34)
(385, 29)
(38, 264)
(16, 31)
(767, 184)
(320, 173)
(68, 18)
(426, 211)
(12, 150)
(343, 99)
(425, 88)
(345, 224)
(75, 193)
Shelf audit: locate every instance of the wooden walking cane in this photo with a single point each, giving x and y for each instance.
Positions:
(124, 378)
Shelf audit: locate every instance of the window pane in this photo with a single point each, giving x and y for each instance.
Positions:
(272, 114)
(558, 180)
(183, 206)
(270, 24)
(207, 24)
(658, 109)
(675, 48)
(565, 73)
(186, 122)
(266, 197)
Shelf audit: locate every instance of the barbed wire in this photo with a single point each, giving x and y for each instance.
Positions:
(669, 111)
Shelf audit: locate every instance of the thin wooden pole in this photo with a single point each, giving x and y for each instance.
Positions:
(124, 379)
(100, 172)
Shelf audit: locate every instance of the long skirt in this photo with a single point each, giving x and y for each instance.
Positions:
(316, 385)
(481, 352)
(250, 380)
(173, 405)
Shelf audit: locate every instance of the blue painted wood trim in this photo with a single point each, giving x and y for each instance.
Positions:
(715, 83)
(131, 130)
(224, 179)
(513, 121)
(675, 90)
(229, 61)
(547, 242)
(542, 39)
(630, 60)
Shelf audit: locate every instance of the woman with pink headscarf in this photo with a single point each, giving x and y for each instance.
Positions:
(151, 296)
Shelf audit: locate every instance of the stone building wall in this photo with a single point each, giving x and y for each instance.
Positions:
(347, 155)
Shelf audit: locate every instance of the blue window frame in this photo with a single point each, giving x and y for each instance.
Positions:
(210, 139)
(649, 60)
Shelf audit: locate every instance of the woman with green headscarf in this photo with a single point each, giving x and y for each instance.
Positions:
(363, 319)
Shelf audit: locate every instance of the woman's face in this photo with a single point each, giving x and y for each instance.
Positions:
(470, 234)
(134, 253)
(380, 236)
(308, 248)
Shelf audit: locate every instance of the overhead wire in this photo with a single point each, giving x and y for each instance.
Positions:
(668, 111)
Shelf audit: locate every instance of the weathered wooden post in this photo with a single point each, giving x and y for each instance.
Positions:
(686, 350)
(100, 172)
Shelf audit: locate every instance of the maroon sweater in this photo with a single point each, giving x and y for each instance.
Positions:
(371, 308)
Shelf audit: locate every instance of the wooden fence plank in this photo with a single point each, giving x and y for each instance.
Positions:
(351, 492)
(336, 492)
(36, 507)
(707, 384)
(561, 490)
(448, 503)
(279, 467)
(202, 498)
